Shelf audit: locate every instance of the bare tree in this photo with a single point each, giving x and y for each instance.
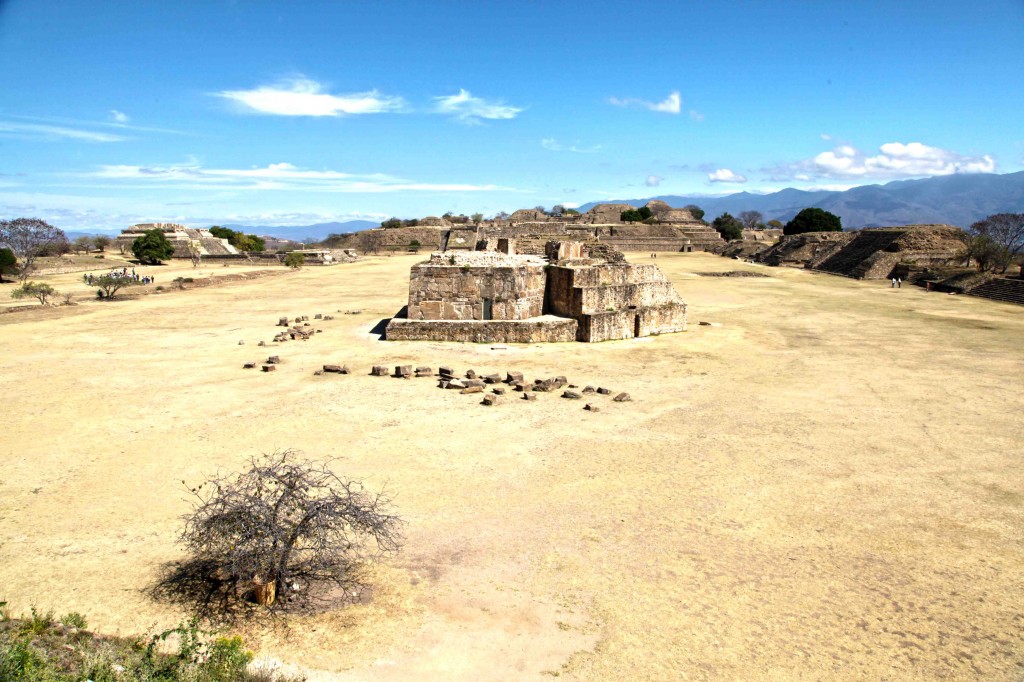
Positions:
(751, 219)
(195, 252)
(82, 245)
(1001, 236)
(285, 528)
(27, 237)
(102, 241)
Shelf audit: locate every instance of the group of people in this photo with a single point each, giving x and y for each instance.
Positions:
(897, 283)
(123, 274)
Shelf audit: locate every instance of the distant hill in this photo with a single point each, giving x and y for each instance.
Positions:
(959, 199)
(300, 232)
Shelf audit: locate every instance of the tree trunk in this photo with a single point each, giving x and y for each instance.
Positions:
(264, 592)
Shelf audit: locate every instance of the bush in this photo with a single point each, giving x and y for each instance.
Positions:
(277, 534)
(37, 290)
(295, 260)
(813, 220)
(74, 620)
(636, 215)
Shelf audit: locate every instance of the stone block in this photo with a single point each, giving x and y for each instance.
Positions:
(274, 359)
(474, 382)
(269, 368)
(249, 365)
(489, 400)
(318, 316)
(622, 398)
(336, 369)
(472, 389)
(589, 389)
(498, 390)
(282, 322)
(529, 396)
(455, 383)
(379, 371)
(470, 374)
(446, 371)
(571, 395)
(403, 371)
(492, 379)
(514, 377)
(604, 391)
(241, 343)
(262, 343)
(591, 408)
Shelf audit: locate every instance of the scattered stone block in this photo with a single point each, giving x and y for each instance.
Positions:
(378, 371)
(472, 389)
(443, 383)
(513, 377)
(317, 372)
(274, 359)
(589, 389)
(519, 386)
(336, 369)
(622, 398)
(498, 390)
(591, 408)
(529, 396)
(604, 391)
(241, 343)
(318, 316)
(455, 383)
(282, 322)
(446, 372)
(474, 382)
(571, 395)
(424, 372)
(489, 400)
(470, 374)
(262, 343)
(403, 371)
(249, 365)
(269, 368)
(492, 379)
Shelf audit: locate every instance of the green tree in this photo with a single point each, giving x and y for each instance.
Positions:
(775, 224)
(415, 245)
(295, 260)
(8, 263)
(37, 290)
(636, 215)
(391, 223)
(152, 247)
(110, 285)
(729, 227)
(696, 211)
(222, 232)
(476, 218)
(571, 211)
(813, 220)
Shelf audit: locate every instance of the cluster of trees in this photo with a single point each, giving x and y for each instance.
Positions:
(636, 215)
(996, 242)
(807, 220)
(813, 220)
(239, 240)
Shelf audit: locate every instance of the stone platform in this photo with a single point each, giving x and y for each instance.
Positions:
(544, 329)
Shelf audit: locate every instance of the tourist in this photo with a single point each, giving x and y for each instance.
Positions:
(899, 282)
(893, 283)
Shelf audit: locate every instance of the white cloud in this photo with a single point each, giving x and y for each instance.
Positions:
(118, 116)
(894, 160)
(305, 97)
(551, 144)
(653, 180)
(275, 176)
(468, 109)
(826, 136)
(50, 132)
(727, 176)
(696, 116)
(670, 105)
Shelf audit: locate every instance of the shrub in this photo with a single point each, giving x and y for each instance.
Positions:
(295, 260)
(38, 290)
(74, 620)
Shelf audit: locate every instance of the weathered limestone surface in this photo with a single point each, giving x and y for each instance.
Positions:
(462, 286)
(547, 329)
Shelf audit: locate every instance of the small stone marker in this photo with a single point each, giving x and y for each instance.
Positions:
(446, 372)
(336, 369)
(591, 408)
(262, 343)
(489, 400)
(514, 377)
(379, 371)
(241, 343)
(282, 322)
(274, 359)
(269, 368)
(529, 396)
(571, 395)
(588, 389)
(317, 372)
(456, 383)
(492, 379)
(249, 365)
(318, 316)
(498, 391)
(403, 371)
(622, 398)
(474, 382)
(470, 374)
(472, 389)
(424, 372)
(604, 391)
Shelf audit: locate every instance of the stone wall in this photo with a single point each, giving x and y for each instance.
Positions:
(540, 330)
(632, 323)
(439, 291)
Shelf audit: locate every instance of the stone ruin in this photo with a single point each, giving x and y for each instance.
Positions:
(180, 237)
(582, 291)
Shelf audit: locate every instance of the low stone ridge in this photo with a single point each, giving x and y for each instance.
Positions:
(336, 369)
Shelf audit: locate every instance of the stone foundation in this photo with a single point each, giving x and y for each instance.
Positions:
(547, 329)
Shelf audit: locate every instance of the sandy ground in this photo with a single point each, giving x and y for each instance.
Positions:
(826, 485)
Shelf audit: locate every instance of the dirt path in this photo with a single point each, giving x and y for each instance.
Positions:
(826, 485)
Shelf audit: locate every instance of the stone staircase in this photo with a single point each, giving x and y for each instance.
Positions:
(855, 258)
(1000, 289)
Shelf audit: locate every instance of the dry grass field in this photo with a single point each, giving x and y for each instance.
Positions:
(825, 485)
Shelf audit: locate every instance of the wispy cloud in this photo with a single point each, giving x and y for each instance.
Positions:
(305, 97)
(119, 116)
(696, 116)
(724, 175)
(673, 104)
(653, 180)
(551, 144)
(468, 109)
(894, 160)
(276, 176)
(38, 131)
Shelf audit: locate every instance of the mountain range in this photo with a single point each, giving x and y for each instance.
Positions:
(300, 232)
(959, 199)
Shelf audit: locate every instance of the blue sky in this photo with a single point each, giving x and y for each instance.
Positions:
(291, 113)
